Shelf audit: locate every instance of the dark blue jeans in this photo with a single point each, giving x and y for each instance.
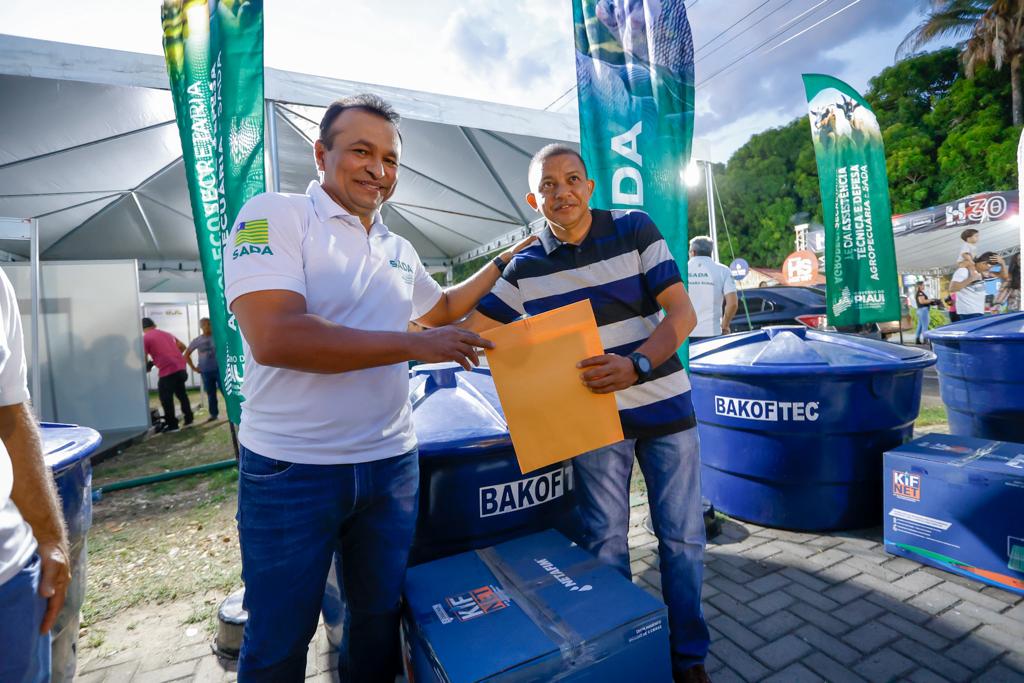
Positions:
(24, 652)
(291, 520)
(671, 468)
(211, 383)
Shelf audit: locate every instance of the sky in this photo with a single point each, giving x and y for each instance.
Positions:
(521, 52)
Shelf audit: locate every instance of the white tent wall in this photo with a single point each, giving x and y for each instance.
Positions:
(91, 357)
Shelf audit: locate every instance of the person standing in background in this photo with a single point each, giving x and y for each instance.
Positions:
(1009, 293)
(207, 368)
(166, 350)
(924, 310)
(711, 289)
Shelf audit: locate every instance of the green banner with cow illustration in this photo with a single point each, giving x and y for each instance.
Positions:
(214, 54)
(862, 282)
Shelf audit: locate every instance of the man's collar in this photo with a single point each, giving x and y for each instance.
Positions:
(327, 208)
(600, 222)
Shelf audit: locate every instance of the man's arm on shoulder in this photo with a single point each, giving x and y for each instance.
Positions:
(457, 301)
(281, 333)
(36, 497)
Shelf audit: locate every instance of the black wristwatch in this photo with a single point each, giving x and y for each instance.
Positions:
(499, 263)
(642, 366)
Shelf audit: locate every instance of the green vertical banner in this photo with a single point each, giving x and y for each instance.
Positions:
(862, 282)
(214, 54)
(634, 67)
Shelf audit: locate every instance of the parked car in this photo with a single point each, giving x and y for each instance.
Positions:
(788, 305)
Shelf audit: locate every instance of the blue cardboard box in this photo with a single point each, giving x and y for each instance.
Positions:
(536, 608)
(957, 503)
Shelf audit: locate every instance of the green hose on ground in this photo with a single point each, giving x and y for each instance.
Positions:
(163, 476)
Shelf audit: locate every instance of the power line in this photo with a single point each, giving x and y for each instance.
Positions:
(752, 26)
(843, 9)
(785, 27)
(731, 26)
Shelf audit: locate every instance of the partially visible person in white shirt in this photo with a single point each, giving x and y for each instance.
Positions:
(969, 285)
(34, 565)
(712, 291)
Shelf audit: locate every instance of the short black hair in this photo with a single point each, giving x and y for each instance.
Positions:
(969, 232)
(148, 322)
(370, 103)
(985, 257)
(553, 150)
(702, 246)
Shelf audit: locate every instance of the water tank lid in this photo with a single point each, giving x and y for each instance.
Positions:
(1007, 327)
(792, 350)
(66, 444)
(455, 410)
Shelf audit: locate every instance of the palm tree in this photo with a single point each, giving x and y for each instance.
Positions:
(994, 31)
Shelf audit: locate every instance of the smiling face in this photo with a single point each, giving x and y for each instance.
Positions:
(359, 161)
(561, 191)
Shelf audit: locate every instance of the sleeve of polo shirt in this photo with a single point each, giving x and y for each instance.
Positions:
(264, 248)
(505, 301)
(729, 286)
(13, 370)
(659, 268)
(425, 291)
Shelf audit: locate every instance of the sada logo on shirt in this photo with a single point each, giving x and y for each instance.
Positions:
(252, 237)
(404, 268)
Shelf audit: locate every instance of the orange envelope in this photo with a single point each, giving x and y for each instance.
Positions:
(551, 415)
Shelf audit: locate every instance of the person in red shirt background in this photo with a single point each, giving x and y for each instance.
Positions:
(167, 354)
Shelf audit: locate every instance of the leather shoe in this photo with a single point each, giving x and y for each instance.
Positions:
(695, 674)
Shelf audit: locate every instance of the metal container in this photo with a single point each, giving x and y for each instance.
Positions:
(67, 449)
(793, 423)
(981, 375)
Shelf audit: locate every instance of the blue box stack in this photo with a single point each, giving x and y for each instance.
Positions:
(957, 503)
(535, 608)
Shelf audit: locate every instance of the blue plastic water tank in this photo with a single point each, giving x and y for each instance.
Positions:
(67, 449)
(981, 375)
(472, 494)
(793, 423)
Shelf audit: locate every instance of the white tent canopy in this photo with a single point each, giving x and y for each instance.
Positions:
(927, 240)
(89, 146)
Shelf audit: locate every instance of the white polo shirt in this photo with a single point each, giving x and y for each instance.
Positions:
(970, 299)
(17, 545)
(368, 281)
(707, 285)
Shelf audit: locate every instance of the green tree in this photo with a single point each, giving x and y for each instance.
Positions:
(994, 32)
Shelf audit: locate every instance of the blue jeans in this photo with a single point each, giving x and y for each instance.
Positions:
(291, 520)
(211, 382)
(671, 468)
(26, 652)
(923, 313)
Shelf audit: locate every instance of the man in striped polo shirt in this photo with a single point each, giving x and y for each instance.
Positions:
(620, 262)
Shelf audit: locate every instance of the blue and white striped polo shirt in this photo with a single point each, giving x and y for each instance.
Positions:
(622, 265)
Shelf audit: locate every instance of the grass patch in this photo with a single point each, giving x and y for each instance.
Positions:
(166, 541)
(931, 415)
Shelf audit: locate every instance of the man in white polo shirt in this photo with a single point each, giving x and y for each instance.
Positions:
(324, 292)
(711, 289)
(34, 565)
(969, 285)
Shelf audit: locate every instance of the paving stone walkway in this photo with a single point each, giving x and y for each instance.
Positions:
(781, 606)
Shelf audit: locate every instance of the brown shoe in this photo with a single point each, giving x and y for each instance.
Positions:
(695, 674)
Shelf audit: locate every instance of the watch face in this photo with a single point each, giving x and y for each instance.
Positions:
(643, 363)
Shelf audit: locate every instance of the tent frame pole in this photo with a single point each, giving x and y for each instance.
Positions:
(275, 168)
